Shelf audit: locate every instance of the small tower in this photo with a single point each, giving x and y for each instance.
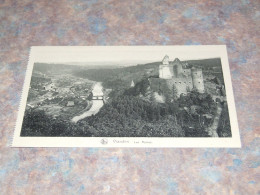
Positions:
(178, 69)
(165, 60)
(165, 69)
(132, 84)
(197, 79)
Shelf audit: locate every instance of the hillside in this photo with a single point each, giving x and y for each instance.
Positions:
(45, 68)
(120, 78)
(206, 63)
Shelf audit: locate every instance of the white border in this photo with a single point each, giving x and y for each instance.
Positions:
(63, 54)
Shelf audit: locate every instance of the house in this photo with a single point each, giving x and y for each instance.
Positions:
(70, 103)
(50, 87)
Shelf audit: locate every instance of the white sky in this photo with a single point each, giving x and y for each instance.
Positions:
(121, 55)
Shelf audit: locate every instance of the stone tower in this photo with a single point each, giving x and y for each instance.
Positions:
(132, 84)
(165, 69)
(178, 69)
(165, 60)
(197, 79)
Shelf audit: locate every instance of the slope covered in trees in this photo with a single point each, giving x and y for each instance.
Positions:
(131, 116)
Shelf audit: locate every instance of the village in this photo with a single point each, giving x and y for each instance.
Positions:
(61, 95)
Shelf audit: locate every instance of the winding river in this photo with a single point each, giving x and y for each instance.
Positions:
(96, 106)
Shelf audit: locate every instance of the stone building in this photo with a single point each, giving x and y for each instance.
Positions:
(184, 79)
(132, 84)
(70, 103)
(49, 87)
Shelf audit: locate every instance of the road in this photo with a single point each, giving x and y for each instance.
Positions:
(212, 130)
(96, 106)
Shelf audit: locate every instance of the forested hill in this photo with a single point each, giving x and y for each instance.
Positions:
(206, 63)
(121, 77)
(118, 78)
(52, 68)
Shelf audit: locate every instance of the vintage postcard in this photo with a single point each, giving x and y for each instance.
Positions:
(127, 96)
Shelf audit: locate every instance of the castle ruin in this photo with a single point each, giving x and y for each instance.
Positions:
(184, 79)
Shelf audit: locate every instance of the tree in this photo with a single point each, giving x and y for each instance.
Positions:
(36, 123)
(195, 90)
(224, 129)
(152, 97)
(174, 92)
(168, 95)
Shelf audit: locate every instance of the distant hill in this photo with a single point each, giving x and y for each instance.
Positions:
(206, 63)
(49, 67)
(52, 68)
(119, 78)
(115, 77)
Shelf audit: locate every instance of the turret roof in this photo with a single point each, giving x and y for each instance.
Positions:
(166, 56)
(165, 59)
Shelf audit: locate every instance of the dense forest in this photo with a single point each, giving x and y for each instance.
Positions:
(131, 116)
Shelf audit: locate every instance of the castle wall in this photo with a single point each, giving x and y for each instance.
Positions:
(179, 70)
(197, 79)
(182, 78)
(186, 72)
(181, 84)
(175, 71)
(165, 71)
(177, 66)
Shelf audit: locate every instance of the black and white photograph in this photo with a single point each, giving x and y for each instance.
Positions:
(127, 92)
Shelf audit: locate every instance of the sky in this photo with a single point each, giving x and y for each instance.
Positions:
(121, 55)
